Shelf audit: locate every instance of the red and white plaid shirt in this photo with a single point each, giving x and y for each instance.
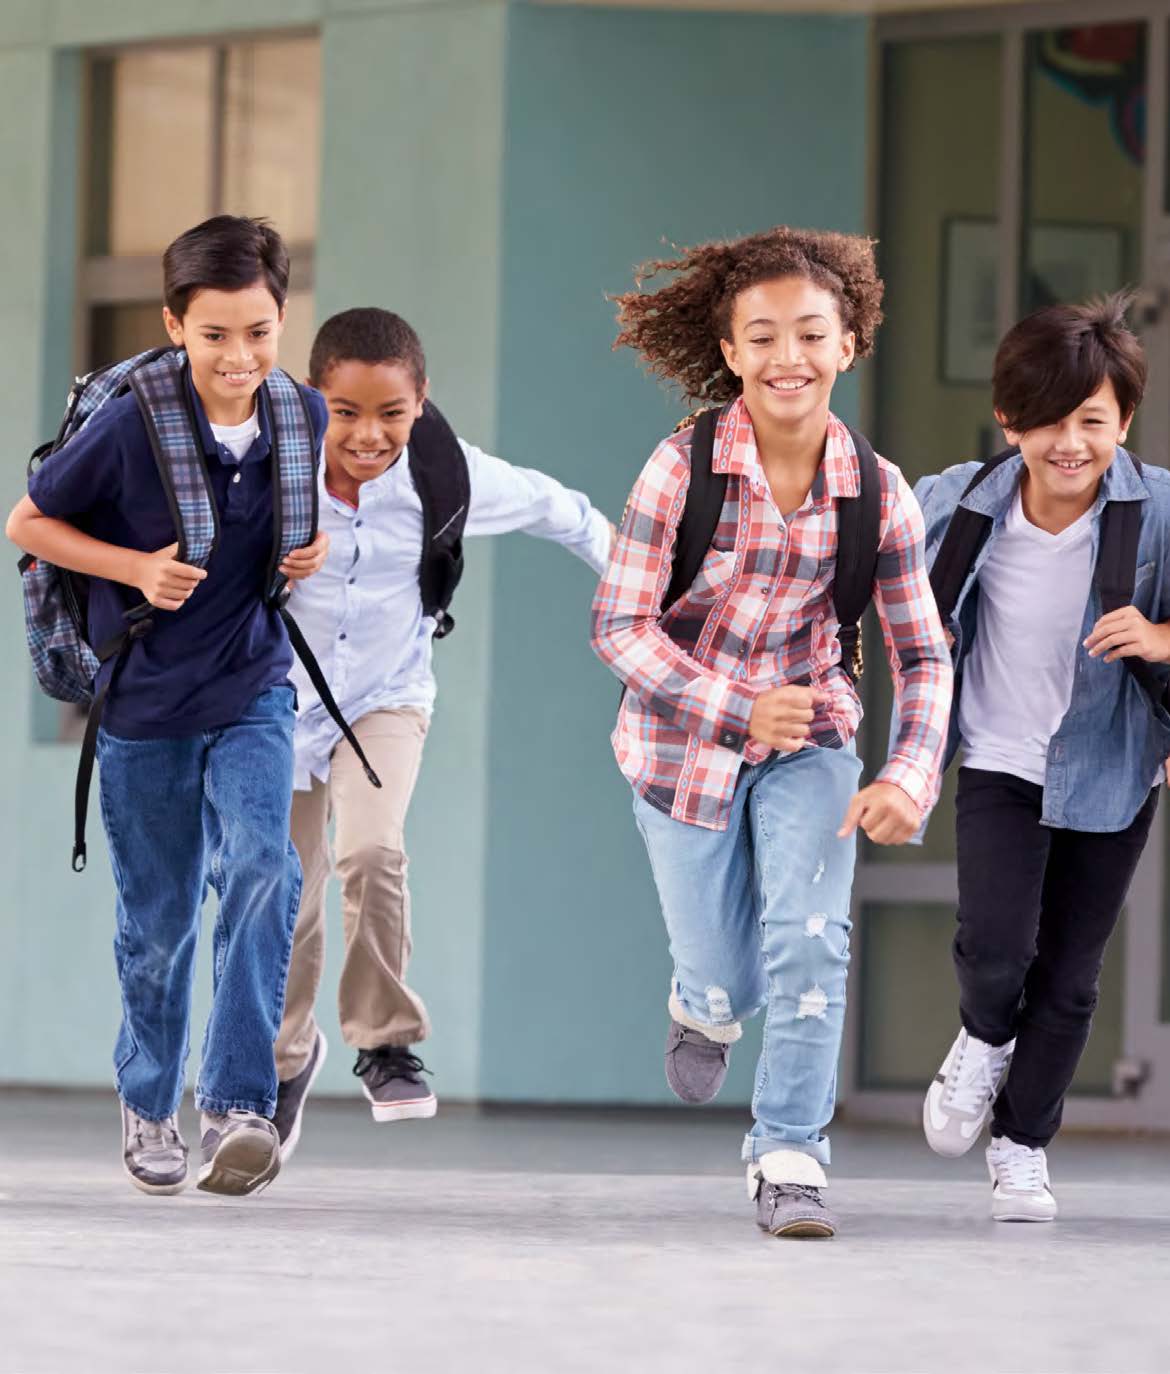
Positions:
(759, 615)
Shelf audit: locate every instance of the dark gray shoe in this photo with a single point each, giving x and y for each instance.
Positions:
(391, 1079)
(241, 1153)
(695, 1065)
(290, 1100)
(154, 1154)
(794, 1209)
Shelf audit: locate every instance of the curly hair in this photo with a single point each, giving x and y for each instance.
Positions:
(677, 327)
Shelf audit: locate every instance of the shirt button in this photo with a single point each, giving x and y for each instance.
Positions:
(352, 580)
(358, 524)
(236, 478)
(341, 635)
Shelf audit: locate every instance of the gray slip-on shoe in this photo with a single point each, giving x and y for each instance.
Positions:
(695, 1065)
(290, 1099)
(788, 1189)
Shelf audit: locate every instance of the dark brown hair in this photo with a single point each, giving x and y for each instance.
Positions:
(367, 335)
(224, 253)
(677, 327)
(1054, 360)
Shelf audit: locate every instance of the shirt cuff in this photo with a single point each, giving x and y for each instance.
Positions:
(911, 778)
(732, 717)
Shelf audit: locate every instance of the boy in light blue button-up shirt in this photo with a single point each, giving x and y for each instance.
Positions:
(368, 626)
(1063, 745)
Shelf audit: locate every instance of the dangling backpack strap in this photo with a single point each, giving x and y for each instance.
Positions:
(1117, 552)
(859, 524)
(294, 524)
(702, 508)
(966, 534)
(438, 469)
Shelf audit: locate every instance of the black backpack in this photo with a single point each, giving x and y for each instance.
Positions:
(858, 535)
(438, 468)
(1121, 528)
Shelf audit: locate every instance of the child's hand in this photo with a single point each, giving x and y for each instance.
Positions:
(1128, 634)
(781, 717)
(163, 581)
(302, 563)
(884, 812)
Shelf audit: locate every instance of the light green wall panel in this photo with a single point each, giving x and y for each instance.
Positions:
(624, 129)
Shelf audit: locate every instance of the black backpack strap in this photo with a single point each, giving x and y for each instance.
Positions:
(701, 511)
(1117, 553)
(438, 468)
(139, 624)
(859, 522)
(317, 678)
(965, 536)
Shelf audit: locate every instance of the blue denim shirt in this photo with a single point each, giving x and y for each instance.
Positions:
(1108, 750)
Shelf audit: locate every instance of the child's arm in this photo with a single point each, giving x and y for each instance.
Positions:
(162, 580)
(920, 664)
(505, 498)
(627, 636)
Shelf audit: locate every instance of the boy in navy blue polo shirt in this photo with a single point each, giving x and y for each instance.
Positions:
(195, 750)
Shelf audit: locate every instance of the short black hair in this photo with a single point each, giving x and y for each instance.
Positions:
(1054, 360)
(224, 253)
(367, 335)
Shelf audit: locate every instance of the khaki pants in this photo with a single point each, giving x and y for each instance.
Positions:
(376, 1007)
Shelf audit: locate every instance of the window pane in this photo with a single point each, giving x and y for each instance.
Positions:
(153, 135)
(271, 132)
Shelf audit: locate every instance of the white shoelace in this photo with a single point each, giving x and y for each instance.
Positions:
(163, 1135)
(972, 1084)
(1019, 1168)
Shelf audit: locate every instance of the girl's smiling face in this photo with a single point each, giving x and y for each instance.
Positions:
(788, 346)
(372, 409)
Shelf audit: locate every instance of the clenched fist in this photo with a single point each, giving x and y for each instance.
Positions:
(165, 582)
(781, 717)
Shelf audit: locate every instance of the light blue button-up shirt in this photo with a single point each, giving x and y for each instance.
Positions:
(362, 613)
(1109, 749)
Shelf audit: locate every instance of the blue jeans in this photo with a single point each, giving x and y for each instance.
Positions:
(182, 815)
(758, 917)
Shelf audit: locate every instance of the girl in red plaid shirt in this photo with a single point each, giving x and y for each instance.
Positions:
(737, 731)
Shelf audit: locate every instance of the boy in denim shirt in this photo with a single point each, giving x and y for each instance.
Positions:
(195, 749)
(1063, 748)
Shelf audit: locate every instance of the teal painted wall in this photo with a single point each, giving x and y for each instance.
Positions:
(623, 129)
(493, 208)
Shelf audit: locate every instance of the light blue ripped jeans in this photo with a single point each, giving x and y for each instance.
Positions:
(758, 916)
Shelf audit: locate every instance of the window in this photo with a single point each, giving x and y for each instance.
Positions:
(242, 122)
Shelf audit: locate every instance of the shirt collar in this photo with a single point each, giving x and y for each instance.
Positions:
(207, 441)
(736, 453)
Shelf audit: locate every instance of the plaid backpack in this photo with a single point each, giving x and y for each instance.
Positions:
(56, 601)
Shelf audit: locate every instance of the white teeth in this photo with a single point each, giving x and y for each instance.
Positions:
(794, 385)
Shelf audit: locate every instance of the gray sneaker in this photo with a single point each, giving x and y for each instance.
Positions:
(154, 1154)
(290, 1100)
(788, 1189)
(391, 1078)
(241, 1153)
(695, 1065)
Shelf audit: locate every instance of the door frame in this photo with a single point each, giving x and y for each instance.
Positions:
(1141, 1097)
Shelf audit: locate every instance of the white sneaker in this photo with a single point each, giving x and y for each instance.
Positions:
(960, 1099)
(1020, 1178)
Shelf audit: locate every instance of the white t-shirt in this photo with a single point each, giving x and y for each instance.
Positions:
(238, 439)
(1018, 678)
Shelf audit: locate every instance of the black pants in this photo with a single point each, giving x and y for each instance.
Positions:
(1036, 909)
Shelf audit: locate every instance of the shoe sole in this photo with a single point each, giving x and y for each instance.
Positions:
(155, 1189)
(1021, 1216)
(286, 1150)
(246, 1162)
(802, 1230)
(419, 1109)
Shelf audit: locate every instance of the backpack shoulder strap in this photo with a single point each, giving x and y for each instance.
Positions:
(859, 520)
(965, 536)
(160, 387)
(294, 473)
(438, 468)
(701, 511)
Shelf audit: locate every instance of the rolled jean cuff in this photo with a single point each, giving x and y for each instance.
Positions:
(756, 1145)
(219, 1106)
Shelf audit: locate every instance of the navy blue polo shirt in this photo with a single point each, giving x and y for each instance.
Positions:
(201, 665)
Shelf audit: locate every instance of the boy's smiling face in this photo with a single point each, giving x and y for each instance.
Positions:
(787, 346)
(231, 341)
(1066, 460)
(372, 409)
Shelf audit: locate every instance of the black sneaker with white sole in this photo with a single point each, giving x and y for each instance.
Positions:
(391, 1078)
(290, 1100)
